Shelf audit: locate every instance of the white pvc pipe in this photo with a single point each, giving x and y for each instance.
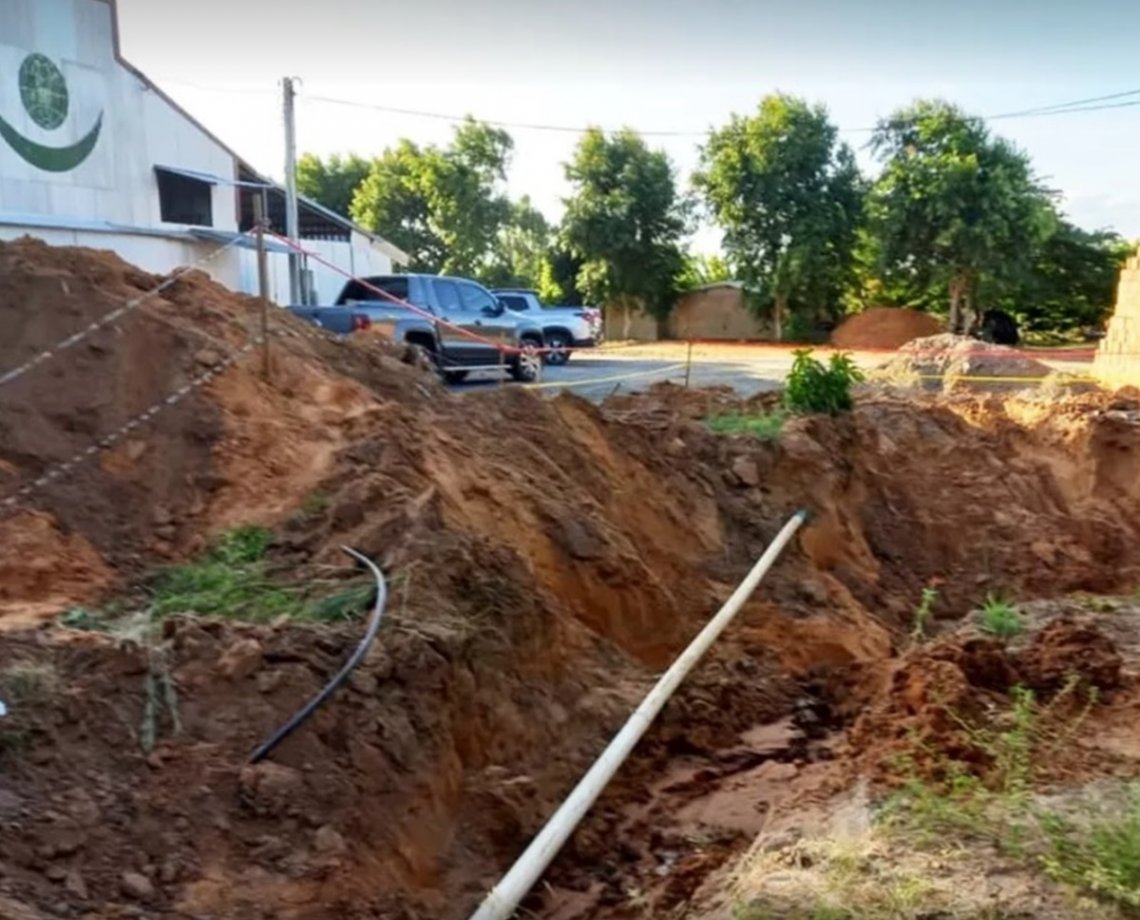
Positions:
(513, 887)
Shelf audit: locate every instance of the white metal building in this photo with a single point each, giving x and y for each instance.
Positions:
(92, 153)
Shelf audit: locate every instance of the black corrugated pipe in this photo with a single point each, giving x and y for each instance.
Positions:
(339, 678)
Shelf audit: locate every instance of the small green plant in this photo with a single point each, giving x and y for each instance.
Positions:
(1000, 618)
(814, 387)
(765, 427)
(923, 612)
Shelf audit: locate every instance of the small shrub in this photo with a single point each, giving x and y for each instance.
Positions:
(814, 387)
(1000, 618)
(764, 427)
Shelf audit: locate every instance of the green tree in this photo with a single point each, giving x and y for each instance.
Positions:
(521, 250)
(1071, 284)
(954, 205)
(558, 279)
(788, 196)
(331, 182)
(624, 221)
(443, 206)
(701, 270)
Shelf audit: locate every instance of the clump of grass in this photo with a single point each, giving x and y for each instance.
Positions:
(923, 613)
(1001, 618)
(29, 682)
(232, 581)
(815, 387)
(765, 427)
(1102, 856)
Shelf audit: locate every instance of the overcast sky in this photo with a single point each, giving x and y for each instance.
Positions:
(654, 65)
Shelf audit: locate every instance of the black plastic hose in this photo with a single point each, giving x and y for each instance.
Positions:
(339, 678)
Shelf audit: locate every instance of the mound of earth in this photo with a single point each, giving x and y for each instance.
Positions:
(884, 327)
(546, 558)
(944, 360)
(240, 448)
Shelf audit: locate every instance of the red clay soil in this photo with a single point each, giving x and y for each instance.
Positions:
(884, 327)
(547, 558)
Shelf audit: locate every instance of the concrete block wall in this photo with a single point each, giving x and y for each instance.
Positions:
(1117, 360)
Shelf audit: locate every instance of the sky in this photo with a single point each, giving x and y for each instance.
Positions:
(653, 65)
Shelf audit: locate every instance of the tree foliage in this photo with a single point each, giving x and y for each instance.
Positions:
(558, 279)
(624, 221)
(953, 206)
(331, 182)
(701, 270)
(788, 196)
(443, 206)
(1071, 283)
(521, 251)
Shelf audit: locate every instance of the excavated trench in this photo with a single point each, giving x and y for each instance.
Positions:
(548, 559)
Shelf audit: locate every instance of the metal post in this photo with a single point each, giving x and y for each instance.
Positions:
(262, 278)
(292, 219)
(688, 363)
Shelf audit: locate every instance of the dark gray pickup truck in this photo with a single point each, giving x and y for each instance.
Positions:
(459, 324)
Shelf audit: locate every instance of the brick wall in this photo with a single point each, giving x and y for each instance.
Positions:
(1118, 356)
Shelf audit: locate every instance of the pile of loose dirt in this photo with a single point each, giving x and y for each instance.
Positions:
(546, 559)
(946, 360)
(884, 327)
(237, 449)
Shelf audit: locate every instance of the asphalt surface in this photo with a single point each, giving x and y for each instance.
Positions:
(596, 377)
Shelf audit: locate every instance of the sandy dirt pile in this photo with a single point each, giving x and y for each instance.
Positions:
(546, 559)
(884, 327)
(945, 360)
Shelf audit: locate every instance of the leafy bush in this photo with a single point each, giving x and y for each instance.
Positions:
(814, 387)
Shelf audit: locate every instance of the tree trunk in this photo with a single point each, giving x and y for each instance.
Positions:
(959, 292)
(778, 316)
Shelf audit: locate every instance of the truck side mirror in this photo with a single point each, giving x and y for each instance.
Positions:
(493, 309)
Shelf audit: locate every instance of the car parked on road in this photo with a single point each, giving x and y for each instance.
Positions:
(458, 323)
(563, 328)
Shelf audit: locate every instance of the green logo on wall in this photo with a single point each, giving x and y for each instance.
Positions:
(43, 91)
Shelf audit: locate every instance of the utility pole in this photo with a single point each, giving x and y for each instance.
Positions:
(262, 278)
(292, 220)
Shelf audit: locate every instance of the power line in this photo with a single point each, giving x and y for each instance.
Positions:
(1048, 109)
(459, 119)
(1064, 108)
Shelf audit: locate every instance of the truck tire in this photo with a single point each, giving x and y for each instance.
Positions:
(526, 365)
(559, 342)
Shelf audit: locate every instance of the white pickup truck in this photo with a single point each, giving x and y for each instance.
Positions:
(563, 328)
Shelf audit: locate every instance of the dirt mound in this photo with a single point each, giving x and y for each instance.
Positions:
(239, 448)
(945, 360)
(884, 327)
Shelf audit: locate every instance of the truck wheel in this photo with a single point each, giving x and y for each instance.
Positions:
(527, 363)
(559, 344)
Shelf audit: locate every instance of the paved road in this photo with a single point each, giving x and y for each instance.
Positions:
(595, 376)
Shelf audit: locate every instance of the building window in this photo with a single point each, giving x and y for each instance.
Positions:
(184, 200)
